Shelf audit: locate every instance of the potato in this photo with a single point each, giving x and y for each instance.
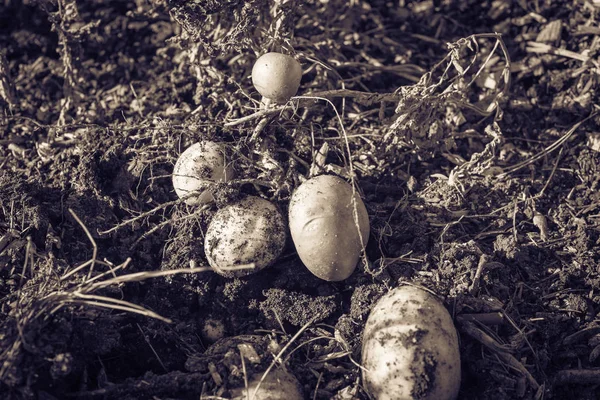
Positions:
(257, 351)
(276, 76)
(323, 228)
(279, 384)
(200, 163)
(249, 231)
(410, 348)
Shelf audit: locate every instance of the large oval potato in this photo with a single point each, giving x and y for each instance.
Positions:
(410, 348)
(249, 231)
(200, 163)
(323, 226)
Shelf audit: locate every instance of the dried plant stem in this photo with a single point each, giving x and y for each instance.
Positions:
(105, 303)
(278, 356)
(483, 259)
(92, 241)
(548, 149)
(484, 338)
(245, 373)
(577, 377)
(146, 214)
(544, 48)
(492, 318)
(140, 276)
(364, 98)
(152, 348)
(501, 351)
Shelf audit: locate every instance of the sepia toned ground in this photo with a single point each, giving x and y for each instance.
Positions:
(470, 129)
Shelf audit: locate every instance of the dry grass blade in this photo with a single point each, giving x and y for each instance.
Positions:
(157, 227)
(107, 302)
(543, 48)
(330, 356)
(28, 262)
(501, 351)
(245, 373)
(485, 339)
(316, 391)
(111, 271)
(152, 348)
(79, 268)
(140, 276)
(364, 98)
(147, 213)
(277, 358)
(256, 115)
(548, 149)
(92, 241)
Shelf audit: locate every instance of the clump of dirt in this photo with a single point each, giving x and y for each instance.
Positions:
(291, 307)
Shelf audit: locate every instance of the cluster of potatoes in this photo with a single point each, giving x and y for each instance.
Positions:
(410, 345)
(328, 221)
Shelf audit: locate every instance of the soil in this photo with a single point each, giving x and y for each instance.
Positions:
(470, 129)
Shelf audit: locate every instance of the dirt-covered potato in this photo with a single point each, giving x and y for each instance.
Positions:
(257, 352)
(279, 384)
(200, 163)
(410, 348)
(249, 231)
(323, 226)
(276, 76)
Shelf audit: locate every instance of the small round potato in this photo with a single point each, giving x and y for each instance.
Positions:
(276, 76)
(323, 226)
(200, 163)
(410, 348)
(249, 231)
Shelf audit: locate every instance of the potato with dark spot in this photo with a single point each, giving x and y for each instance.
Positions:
(249, 231)
(329, 225)
(410, 348)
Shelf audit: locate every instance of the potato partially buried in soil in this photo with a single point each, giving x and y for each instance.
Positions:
(279, 384)
(199, 164)
(410, 348)
(323, 226)
(257, 352)
(249, 231)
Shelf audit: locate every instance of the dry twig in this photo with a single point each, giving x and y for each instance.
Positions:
(548, 149)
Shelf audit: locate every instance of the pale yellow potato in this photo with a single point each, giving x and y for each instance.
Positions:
(279, 384)
(276, 76)
(249, 231)
(200, 163)
(410, 348)
(323, 227)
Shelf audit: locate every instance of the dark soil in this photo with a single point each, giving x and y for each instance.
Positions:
(477, 156)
